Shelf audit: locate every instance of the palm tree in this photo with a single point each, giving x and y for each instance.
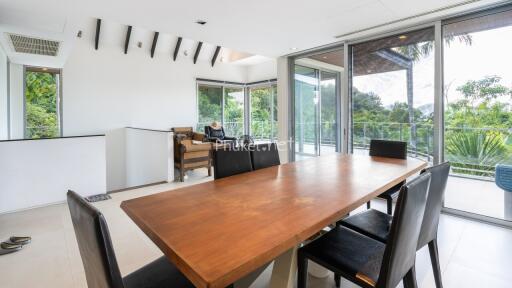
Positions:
(416, 52)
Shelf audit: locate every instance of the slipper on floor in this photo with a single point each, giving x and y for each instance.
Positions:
(9, 245)
(4, 251)
(21, 240)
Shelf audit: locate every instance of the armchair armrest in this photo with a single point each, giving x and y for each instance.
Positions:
(196, 147)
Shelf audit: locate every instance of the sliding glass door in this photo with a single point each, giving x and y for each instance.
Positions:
(317, 104)
(392, 92)
(306, 112)
(478, 111)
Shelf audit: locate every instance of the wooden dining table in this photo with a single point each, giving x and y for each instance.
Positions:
(220, 231)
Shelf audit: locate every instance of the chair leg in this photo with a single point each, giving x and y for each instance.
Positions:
(368, 205)
(337, 280)
(389, 203)
(434, 258)
(302, 263)
(410, 279)
(182, 175)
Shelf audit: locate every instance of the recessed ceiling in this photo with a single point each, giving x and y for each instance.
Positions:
(266, 27)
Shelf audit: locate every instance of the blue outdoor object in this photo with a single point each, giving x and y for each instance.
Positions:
(504, 177)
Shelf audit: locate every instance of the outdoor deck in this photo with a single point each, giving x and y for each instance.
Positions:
(471, 195)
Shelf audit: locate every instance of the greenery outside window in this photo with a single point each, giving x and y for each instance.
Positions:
(42, 103)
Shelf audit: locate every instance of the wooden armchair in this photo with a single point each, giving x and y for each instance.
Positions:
(190, 152)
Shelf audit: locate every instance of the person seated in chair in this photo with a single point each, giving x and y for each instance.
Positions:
(215, 133)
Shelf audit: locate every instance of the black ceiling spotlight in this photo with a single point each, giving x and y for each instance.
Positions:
(79, 34)
(201, 22)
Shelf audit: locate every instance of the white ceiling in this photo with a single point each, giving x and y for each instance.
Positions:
(264, 27)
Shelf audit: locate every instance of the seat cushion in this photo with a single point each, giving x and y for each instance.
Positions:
(347, 252)
(371, 223)
(159, 273)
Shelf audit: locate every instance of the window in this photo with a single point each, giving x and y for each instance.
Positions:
(42, 103)
(209, 105)
(392, 92)
(478, 110)
(234, 111)
(222, 104)
(263, 113)
(226, 104)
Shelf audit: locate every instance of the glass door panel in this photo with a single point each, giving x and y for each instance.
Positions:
(328, 115)
(392, 92)
(478, 111)
(306, 112)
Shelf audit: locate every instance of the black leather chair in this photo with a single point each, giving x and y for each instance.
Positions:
(264, 155)
(99, 259)
(229, 161)
(218, 136)
(375, 224)
(366, 261)
(389, 149)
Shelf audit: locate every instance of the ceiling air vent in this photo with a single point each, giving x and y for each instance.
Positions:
(30, 45)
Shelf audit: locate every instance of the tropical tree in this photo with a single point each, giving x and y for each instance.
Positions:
(41, 105)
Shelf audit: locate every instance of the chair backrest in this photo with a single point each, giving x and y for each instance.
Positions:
(388, 148)
(504, 177)
(400, 252)
(264, 155)
(214, 133)
(245, 141)
(228, 162)
(439, 177)
(98, 257)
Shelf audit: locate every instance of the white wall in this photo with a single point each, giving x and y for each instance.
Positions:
(105, 89)
(3, 96)
(39, 172)
(149, 157)
(263, 71)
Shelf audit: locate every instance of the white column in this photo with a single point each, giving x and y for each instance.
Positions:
(4, 129)
(16, 108)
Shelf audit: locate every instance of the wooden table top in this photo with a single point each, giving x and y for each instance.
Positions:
(219, 231)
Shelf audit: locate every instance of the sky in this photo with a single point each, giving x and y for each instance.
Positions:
(489, 54)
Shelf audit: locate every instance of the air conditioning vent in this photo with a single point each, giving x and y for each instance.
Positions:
(30, 45)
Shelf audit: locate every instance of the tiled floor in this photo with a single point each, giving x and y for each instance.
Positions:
(472, 254)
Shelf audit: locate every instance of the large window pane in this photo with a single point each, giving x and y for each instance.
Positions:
(328, 112)
(306, 101)
(393, 92)
(209, 105)
(478, 115)
(263, 113)
(234, 111)
(42, 115)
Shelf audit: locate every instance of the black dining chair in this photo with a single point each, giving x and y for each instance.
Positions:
(264, 155)
(389, 149)
(99, 259)
(366, 261)
(375, 224)
(230, 161)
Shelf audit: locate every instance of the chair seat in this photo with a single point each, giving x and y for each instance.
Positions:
(392, 193)
(159, 273)
(348, 253)
(372, 223)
